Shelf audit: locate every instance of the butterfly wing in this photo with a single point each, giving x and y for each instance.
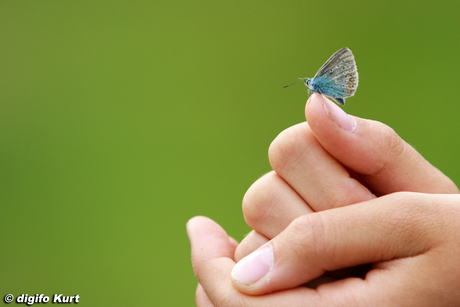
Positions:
(338, 77)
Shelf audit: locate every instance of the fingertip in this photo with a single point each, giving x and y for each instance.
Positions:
(316, 116)
(322, 110)
(191, 222)
(312, 98)
(253, 267)
(208, 239)
(334, 139)
(197, 218)
(194, 223)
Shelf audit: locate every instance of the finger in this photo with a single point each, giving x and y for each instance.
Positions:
(254, 240)
(384, 161)
(271, 204)
(386, 228)
(201, 298)
(211, 251)
(321, 180)
(211, 259)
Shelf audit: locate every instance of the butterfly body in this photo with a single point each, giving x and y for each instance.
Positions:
(337, 78)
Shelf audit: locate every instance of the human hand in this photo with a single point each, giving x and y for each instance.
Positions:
(381, 170)
(318, 166)
(412, 239)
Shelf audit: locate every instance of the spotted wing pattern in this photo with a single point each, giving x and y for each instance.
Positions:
(338, 77)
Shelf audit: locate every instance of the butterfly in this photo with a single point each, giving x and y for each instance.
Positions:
(336, 79)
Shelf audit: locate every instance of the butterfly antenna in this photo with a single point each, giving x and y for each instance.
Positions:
(292, 84)
(300, 79)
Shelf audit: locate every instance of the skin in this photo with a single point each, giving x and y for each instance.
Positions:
(337, 199)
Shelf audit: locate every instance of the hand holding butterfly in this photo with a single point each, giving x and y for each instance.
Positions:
(333, 201)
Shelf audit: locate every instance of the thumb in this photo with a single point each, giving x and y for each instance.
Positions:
(369, 232)
(383, 161)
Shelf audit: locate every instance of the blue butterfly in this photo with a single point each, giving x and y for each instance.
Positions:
(336, 79)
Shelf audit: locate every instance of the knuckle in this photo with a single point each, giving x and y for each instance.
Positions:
(391, 148)
(394, 146)
(411, 219)
(259, 198)
(289, 144)
(393, 143)
(311, 231)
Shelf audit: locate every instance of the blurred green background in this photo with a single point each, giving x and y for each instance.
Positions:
(120, 120)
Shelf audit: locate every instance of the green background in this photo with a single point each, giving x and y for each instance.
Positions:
(120, 120)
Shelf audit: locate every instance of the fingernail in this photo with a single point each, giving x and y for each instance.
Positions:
(339, 116)
(254, 266)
